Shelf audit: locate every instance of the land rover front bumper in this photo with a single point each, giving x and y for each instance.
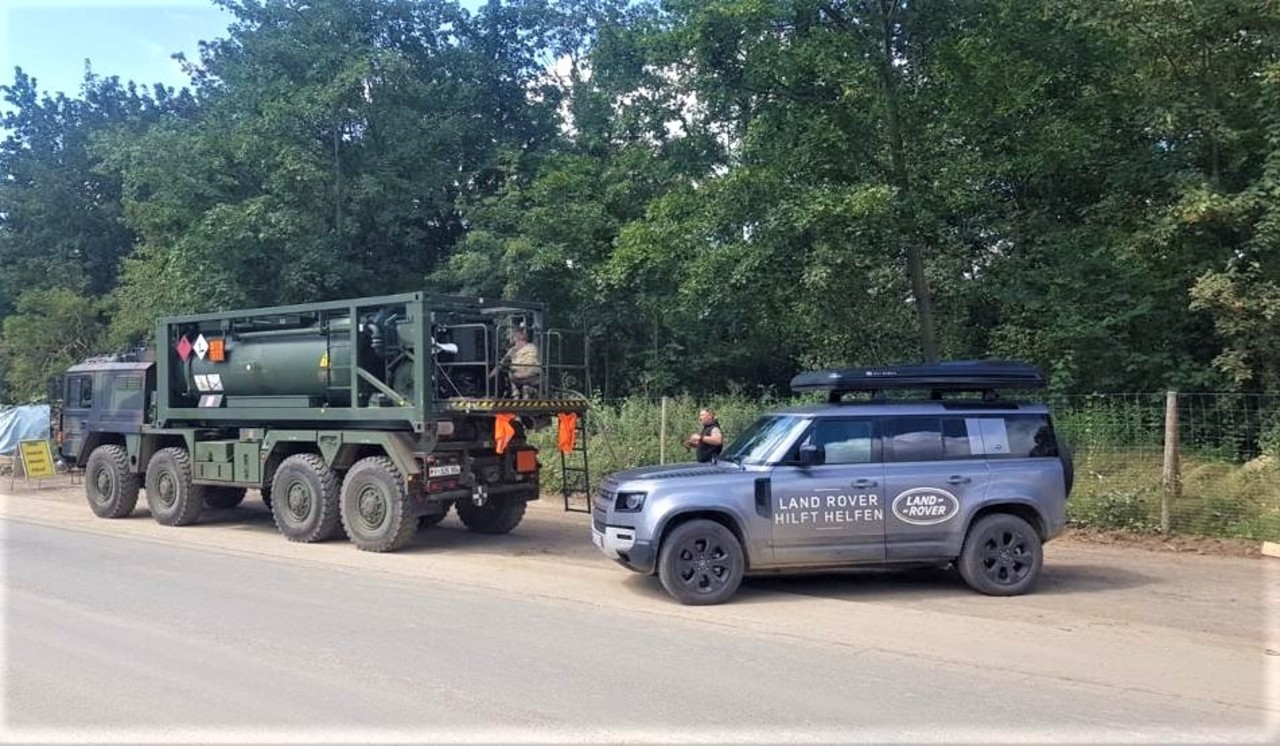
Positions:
(619, 543)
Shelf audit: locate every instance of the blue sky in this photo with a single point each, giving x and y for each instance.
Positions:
(132, 39)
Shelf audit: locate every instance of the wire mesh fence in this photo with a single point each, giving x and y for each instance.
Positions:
(1226, 484)
(1227, 477)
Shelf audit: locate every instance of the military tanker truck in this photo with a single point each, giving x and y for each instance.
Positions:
(371, 417)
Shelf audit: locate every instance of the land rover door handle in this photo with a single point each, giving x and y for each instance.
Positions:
(957, 479)
(864, 483)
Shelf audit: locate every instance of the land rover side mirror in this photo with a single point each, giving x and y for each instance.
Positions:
(812, 455)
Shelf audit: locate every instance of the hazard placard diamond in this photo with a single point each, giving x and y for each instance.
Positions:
(201, 346)
(184, 348)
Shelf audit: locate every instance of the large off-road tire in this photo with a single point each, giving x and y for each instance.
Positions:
(305, 499)
(433, 519)
(1002, 555)
(223, 498)
(701, 563)
(497, 516)
(376, 511)
(173, 499)
(268, 476)
(112, 490)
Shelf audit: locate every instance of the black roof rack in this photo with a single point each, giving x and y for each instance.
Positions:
(985, 376)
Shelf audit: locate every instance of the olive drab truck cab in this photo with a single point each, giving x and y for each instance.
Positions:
(370, 417)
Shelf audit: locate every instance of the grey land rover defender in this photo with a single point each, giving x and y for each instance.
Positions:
(958, 475)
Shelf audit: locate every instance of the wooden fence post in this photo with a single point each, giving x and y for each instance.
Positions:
(662, 436)
(1172, 476)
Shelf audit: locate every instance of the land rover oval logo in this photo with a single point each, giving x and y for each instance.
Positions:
(925, 506)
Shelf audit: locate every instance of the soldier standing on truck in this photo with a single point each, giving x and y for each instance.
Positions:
(526, 368)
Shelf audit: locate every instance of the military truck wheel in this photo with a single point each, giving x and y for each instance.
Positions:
(305, 504)
(268, 476)
(223, 498)
(376, 511)
(427, 521)
(173, 499)
(701, 563)
(111, 488)
(1002, 555)
(497, 516)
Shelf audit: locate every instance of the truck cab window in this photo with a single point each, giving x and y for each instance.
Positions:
(80, 392)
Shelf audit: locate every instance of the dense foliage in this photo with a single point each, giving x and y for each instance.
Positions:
(720, 192)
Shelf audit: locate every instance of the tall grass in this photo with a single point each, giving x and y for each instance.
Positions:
(624, 433)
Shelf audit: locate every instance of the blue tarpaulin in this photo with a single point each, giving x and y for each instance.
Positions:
(28, 422)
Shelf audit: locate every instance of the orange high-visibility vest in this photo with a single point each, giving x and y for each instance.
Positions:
(567, 431)
(503, 431)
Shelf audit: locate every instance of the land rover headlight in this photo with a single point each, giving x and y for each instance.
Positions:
(629, 502)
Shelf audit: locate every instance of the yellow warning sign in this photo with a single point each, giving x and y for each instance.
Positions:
(37, 460)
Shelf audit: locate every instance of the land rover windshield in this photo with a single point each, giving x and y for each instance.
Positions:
(760, 442)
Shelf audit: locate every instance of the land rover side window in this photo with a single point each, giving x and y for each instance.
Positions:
(843, 441)
(1013, 436)
(928, 439)
(762, 438)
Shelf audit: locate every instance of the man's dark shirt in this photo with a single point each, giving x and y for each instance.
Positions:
(706, 451)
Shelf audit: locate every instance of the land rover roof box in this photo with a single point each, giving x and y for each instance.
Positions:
(985, 376)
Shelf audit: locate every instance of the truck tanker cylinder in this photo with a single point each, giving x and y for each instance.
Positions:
(311, 362)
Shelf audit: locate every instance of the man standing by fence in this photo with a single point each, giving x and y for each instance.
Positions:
(710, 440)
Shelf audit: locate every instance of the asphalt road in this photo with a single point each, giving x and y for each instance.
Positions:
(127, 637)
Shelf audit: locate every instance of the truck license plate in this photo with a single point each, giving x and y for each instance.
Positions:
(447, 470)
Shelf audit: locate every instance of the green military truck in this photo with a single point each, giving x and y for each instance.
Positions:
(371, 417)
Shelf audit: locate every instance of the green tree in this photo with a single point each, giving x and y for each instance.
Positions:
(807, 239)
(334, 143)
(547, 232)
(60, 210)
(1244, 298)
(1139, 142)
(51, 330)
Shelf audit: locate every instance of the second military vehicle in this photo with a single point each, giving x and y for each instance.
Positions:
(370, 417)
(981, 482)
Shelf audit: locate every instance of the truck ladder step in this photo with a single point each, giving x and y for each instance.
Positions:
(575, 474)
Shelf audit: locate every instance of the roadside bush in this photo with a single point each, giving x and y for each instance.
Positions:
(1269, 439)
(1118, 511)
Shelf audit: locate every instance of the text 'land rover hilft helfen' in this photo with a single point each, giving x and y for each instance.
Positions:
(957, 476)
